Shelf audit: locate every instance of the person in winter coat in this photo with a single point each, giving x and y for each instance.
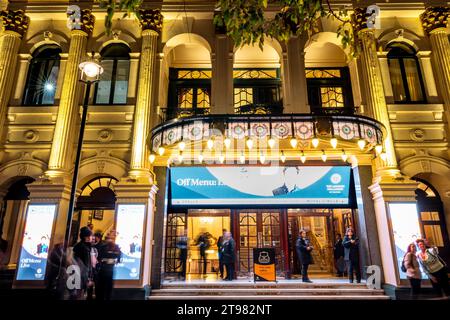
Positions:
(84, 256)
(338, 255)
(182, 245)
(304, 248)
(351, 255)
(412, 269)
(109, 255)
(228, 255)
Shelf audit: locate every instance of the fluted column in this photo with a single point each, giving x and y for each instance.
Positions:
(14, 25)
(373, 85)
(151, 23)
(69, 103)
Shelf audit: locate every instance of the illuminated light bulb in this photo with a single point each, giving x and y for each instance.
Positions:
(282, 157)
(152, 158)
(242, 158)
(210, 144)
(262, 158)
(221, 158)
(315, 142)
(333, 142)
(323, 156)
(249, 143)
(303, 157)
(378, 148)
(161, 151)
(182, 145)
(180, 157)
(227, 142)
(361, 144)
(200, 158)
(271, 143)
(49, 86)
(293, 143)
(383, 156)
(344, 156)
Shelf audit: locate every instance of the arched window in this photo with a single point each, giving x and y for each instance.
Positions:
(113, 85)
(406, 78)
(42, 76)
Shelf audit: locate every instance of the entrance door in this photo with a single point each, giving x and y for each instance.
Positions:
(258, 229)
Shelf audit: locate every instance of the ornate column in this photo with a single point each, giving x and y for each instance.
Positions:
(373, 86)
(151, 23)
(296, 100)
(434, 22)
(14, 25)
(68, 111)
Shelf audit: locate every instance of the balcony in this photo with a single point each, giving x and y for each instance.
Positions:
(236, 136)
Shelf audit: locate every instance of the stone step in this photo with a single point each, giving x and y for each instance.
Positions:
(250, 285)
(264, 292)
(269, 297)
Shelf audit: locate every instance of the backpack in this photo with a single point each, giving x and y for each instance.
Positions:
(403, 267)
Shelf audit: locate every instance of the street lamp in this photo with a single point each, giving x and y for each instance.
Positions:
(90, 73)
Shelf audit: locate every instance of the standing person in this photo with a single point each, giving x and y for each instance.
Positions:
(182, 245)
(228, 255)
(412, 269)
(351, 255)
(83, 254)
(203, 244)
(98, 239)
(434, 267)
(304, 248)
(338, 254)
(56, 275)
(108, 256)
(219, 251)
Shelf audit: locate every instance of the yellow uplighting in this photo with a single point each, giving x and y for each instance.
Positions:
(200, 158)
(180, 157)
(262, 158)
(182, 145)
(378, 148)
(361, 144)
(242, 158)
(333, 142)
(161, 151)
(344, 156)
(249, 143)
(303, 157)
(315, 142)
(221, 158)
(383, 156)
(210, 144)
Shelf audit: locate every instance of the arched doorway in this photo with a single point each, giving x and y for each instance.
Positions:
(432, 218)
(95, 206)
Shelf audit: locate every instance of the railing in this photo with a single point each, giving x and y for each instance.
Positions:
(272, 109)
(319, 110)
(171, 113)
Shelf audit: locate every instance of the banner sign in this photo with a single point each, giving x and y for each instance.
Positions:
(36, 242)
(264, 264)
(130, 227)
(253, 185)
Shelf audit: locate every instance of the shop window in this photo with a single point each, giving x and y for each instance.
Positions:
(189, 92)
(257, 91)
(113, 85)
(406, 78)
(329, 90)
(42, 76)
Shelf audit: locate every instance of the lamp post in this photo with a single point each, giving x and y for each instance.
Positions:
(90, 73)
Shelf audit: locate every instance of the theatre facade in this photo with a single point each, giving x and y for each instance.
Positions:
(188, 134)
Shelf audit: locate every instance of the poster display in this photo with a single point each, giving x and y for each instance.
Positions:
(406, 229)
(130, 228)
(264, 264)
(255, 185)
(36, 242)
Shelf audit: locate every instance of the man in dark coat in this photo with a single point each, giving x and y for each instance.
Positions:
(203, 244)
(219, 250)
(82, 252)
(108, 256)
(228, 255)
(351, 255)
(338, 254)
(182, 245)
(304, 248)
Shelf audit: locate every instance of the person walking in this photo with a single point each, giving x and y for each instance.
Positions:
(338, 254)
(411, 264)
(351, 255)
(203, 244)
(182, 246)
(434, 267)
(228, 255)
(219, 251)
(108, 256)
(304, 249)
(84, 257)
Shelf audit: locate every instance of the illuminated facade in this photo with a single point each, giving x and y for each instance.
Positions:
(176, 91)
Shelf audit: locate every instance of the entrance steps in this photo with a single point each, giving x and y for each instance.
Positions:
(265, 291)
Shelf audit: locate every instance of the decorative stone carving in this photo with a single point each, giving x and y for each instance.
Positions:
(116, 34)
(48, 35)
(101, 166)
(105, 135)
(31, 136)
(426, 165)
(359, 19)
(435, 17)
(23, 169)
(78, 19)
(151, 19)
(14, 20)
(417, 134)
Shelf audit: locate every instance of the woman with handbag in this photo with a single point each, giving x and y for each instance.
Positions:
(434, 267)
(410, 266)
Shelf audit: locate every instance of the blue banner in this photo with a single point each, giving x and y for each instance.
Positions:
(253, 185)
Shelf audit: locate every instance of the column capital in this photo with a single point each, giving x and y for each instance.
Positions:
(15, 21)
(359, 19)
(80, 20)
(151, 19)
(434, 17)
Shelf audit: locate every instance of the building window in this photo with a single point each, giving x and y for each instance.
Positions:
(113, 85)
(189, 92)
(257, 91)
(42, 76)
(329, 90)
(406, 78)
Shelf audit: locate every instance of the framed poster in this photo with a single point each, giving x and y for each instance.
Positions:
(97, 214)
(129, 235)
(36, 241)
